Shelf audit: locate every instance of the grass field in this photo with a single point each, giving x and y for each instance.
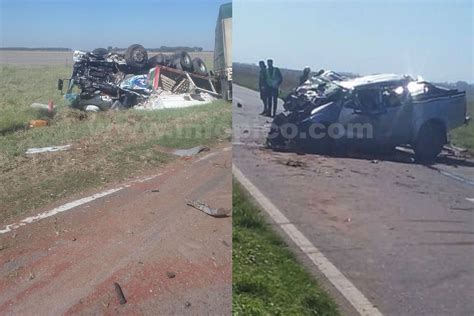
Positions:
(267, 279)
(107, 146)
(247, 76)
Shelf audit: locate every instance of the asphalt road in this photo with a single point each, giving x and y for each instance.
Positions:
(402, 233)
(168, 257)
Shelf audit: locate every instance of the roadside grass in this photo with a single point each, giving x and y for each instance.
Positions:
(464, 136)
(22, 85)
(267, 279)
(106, 146)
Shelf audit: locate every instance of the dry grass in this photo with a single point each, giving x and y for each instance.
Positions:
(107, 146)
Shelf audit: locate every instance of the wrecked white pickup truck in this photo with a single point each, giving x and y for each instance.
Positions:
(373, 112)
(110, 80)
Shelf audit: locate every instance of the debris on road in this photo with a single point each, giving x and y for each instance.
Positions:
(38, 150)
(119, 292)
(191, 151)
(239, 105)
(170, 274)
(216, 212)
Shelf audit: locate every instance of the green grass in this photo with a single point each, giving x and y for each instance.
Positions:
(267, 279)
(464, 136)
(107, 146)
(20, 86)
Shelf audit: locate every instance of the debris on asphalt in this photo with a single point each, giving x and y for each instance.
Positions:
(191, 151)
(295, 163)
(187, 304)
(375, 161)
(216, 212)
(170, 274)
(155, 190)
(38, 150)
(119, 292)
(239, 105)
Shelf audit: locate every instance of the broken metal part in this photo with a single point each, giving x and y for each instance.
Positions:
(119, 292)
(216, 212)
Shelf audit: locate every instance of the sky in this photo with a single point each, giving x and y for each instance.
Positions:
(87, 24)
(433, 39)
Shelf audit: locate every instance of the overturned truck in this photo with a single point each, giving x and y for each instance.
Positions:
(332, 112)
(103, 80)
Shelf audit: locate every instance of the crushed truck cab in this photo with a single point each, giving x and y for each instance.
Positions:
(371, 112)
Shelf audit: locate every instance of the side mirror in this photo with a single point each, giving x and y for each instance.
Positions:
(60, 84)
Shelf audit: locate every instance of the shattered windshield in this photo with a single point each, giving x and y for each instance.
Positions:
(324, 86)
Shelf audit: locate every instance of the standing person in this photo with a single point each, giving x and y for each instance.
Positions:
(274, 80)
(305, 76)
(263, 87)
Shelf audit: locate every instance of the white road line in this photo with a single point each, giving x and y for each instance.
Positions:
(60, 209)
(342, 284)
(73, 204)
(470, 199)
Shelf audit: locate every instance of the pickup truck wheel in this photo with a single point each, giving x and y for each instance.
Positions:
(429, 143)
(199, 67)
(136, 56)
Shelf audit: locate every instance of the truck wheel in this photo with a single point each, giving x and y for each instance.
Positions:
(199, 67)
(136, 56)
(182, 61)
(158, 59)
(429, 143)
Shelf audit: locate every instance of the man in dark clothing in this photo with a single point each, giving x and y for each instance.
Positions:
(305, 76)
(262, 85)
(274, 80)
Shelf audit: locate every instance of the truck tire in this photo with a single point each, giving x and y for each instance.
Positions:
(136, 56)
(182, 61)
(199, 67)
(429, 142)
(156, 60)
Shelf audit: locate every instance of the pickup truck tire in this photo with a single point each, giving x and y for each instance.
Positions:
(429, 143)
(199, 67)
(136, 56)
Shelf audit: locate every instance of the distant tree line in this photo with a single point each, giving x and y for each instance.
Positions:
(55, 49)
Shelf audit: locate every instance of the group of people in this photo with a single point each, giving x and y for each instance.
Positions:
(269, 83)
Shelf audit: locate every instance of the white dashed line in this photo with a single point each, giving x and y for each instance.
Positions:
(342, 284)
